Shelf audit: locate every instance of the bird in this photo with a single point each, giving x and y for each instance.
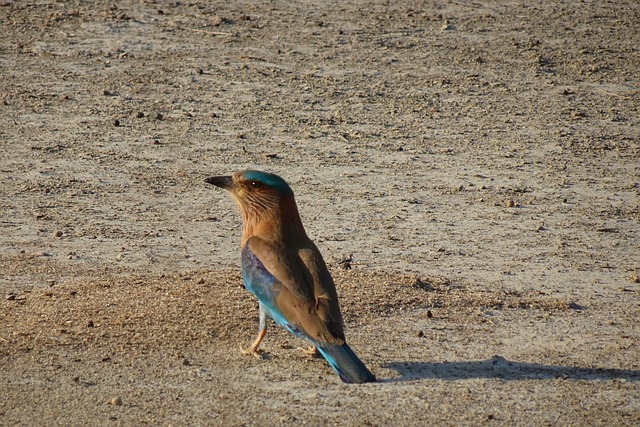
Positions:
(284, 269)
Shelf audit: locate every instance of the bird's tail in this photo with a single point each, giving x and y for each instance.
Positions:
(345, 362)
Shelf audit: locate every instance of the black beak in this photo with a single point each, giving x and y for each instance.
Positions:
(220, 181)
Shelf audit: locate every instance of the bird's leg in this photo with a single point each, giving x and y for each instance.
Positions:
(253, 350)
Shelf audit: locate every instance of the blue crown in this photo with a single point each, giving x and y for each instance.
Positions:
(273, 181)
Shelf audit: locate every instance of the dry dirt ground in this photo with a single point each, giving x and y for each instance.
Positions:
(480, 162)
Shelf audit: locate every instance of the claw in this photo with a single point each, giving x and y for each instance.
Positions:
(311, 351)
(253, 350)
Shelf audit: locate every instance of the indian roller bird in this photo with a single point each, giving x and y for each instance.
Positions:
(284, 269)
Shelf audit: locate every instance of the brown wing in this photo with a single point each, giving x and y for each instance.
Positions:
(307, 298)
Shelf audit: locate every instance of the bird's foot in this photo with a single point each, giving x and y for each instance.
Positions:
(311, 351)
(253, 351)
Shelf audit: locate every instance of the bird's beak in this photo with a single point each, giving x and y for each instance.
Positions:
(225, 182)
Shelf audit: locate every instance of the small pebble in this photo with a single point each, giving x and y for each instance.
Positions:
(58, 233)
(159, 116)
(199, 71)
(575, 306)
(90, 324)
(200, 281)
(429, 314)
(140, 114)
(186, 362)
(10, 297)
(115, 122)
(420, 334)
(116, 401)
(510, 203)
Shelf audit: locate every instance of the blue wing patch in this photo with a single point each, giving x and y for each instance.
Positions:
(260, 282)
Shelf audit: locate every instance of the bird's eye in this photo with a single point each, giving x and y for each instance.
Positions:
(256, 184)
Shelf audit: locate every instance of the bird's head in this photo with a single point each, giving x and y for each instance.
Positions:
(261, 196)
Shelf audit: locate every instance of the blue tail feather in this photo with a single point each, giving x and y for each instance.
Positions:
(345, 362)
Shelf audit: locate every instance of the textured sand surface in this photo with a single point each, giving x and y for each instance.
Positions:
(479, 161)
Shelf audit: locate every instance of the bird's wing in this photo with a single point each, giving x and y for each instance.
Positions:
(295, 284)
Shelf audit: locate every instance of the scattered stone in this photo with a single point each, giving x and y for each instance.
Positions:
(420, 334)
(116, 401)
(217, 20)
(186, 362)
(159, 116)
(59, 233)
(510, 203)
(446, 26)
(429, 314)
(139, 114)
(10, 297)
(575, 306)
(345, 263)
(201, 281)
(115, 122)
(90, 324)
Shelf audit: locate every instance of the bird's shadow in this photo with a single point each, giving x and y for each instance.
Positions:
(500, 368)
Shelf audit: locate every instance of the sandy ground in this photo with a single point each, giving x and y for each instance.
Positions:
(480, 161)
